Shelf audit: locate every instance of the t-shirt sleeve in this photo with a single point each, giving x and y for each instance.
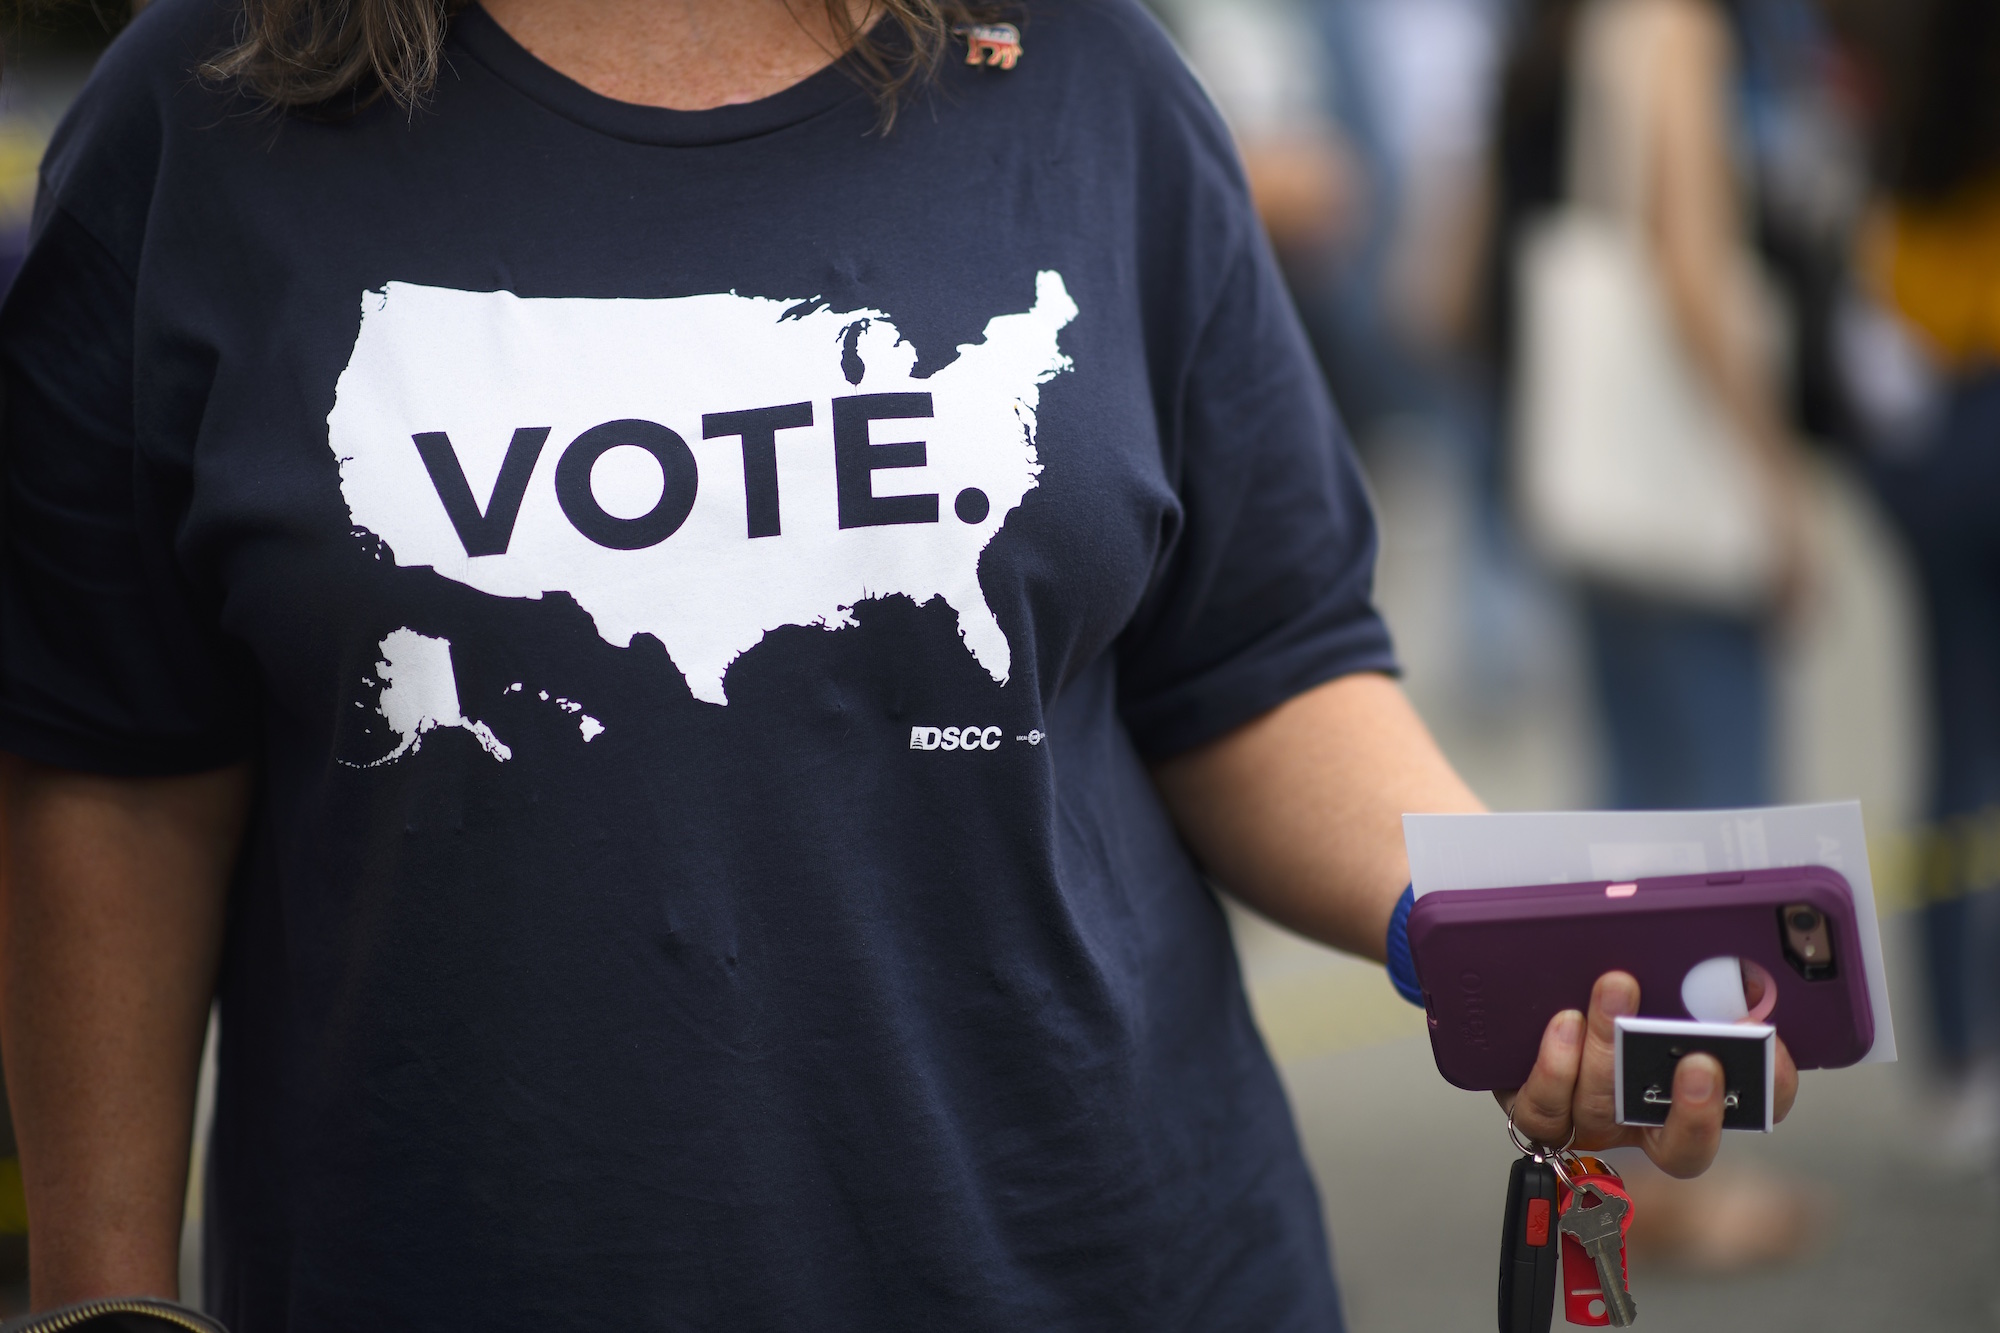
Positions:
(1266, 589)
(110, 660)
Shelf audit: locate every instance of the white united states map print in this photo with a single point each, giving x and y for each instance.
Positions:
(704, 469)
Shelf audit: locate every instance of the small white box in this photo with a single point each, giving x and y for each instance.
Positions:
(1648, 1049)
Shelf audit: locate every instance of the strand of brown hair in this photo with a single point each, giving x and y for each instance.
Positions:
(319, 54)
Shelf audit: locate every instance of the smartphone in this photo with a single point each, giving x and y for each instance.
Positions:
(1496, 964)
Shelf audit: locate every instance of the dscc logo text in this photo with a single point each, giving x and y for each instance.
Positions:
(956, 738)
(965, 738)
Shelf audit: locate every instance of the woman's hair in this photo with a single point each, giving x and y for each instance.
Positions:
(330, 53)
(1937, 65)
(1534, 92)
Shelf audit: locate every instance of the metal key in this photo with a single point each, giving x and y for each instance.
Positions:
(1599, 1231)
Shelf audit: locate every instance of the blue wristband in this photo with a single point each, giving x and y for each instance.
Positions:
(1403, 968)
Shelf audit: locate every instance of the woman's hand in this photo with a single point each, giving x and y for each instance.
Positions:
(1573, 1085)
(1788, 510)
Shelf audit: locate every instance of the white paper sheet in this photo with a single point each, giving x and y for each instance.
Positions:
(1559, 847)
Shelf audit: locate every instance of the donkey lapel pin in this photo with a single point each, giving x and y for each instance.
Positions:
(991, 43)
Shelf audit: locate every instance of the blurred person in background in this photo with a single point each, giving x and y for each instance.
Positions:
(1362, 125)
(1277, 85)
(1620, 227)
(1929, 392)
(1653, 149)
(1427, 73)
(1309, 145)
(1808, 164)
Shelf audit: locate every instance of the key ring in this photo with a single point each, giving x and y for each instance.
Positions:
(1553, 1156)
(1537, 1151)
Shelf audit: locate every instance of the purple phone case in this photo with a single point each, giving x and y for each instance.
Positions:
(1496, 964)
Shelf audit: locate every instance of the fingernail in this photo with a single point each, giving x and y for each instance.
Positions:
(1621, 997)
(1569, 1029)
(1698, 1081)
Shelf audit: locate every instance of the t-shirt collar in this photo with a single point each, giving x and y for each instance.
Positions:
(475, 32)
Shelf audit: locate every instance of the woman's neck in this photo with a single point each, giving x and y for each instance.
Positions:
(688, 55)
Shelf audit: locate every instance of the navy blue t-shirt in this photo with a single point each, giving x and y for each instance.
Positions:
(701, 591)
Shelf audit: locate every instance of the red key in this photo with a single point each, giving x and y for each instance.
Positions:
(1583, 1300)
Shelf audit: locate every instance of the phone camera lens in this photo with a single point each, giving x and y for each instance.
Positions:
(1805, 919)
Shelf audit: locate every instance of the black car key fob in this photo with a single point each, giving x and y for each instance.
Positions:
(1530, 1249)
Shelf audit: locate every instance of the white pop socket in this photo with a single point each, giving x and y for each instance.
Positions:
(1712, 991)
